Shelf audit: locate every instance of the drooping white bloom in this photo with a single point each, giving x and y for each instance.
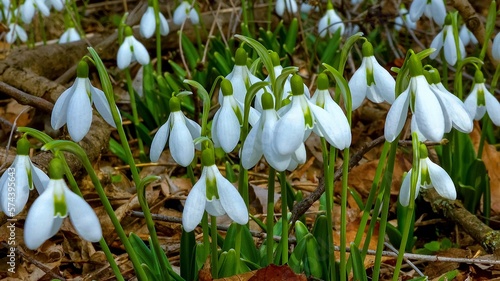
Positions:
(74, 106)
(185, 11)
(426, 108)
(213, 193)
(227, 120)
(131, 50)
(323, 99)
(454, 112)
(300, 117)
(289, 5)
(445, 40)
(47, 213)
(433, 9)
(28, 9)
(148, 23)
(430, 175)
(404, 20)
(480, 101)
(70, 35)
(180, 131)
(240, 77)
(330, 23)
(17, 181)
(16, 31)
(260, 140)
(467, 36)
(371, 80)
(495, 50)
(306, 8)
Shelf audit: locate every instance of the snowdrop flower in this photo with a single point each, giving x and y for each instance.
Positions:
(185, 11)
(330, 22)
(495, 50)
(70, 35)
(57, 202)
(260, 140)
(300, 117)
(404, 20)
(240, 77)
(433, 9)
(371, 80)
(288, 5)
(74, 106)
(180, 131)
(424, 105)
(131, 50)
(454, 112)
(148, 23)
(17, 181)
(213, 193)
(430, 175)
(467, 36)
(445, 40)
(16, 31)
(227, 120)
(28, 9)
(323, 99)
(480, 101)
(306, 8)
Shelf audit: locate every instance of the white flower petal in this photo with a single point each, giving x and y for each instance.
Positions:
(40, 179)
(438, 11)
(231, 200)
(83, 217)
(280, 7)
(181, 143)
(358, 86)
(449, 48)
(101, 104)
(194, 129)
(470, 102)
(251, 152)
(493, 107)
(214, 207)
(193, 16)
(164, 28)
(385, 84)
(404, 192)
(495, 51)
(148, 25)
(195, 204)
(180, 13)
(427, 111)
(290, 129)
(437, 43)
(227, 128)
(81, 114)
(60, 110)
(124, 56)
(455, 110)
(38, 226)
(140, 52)
(159, 141)
(276, 160)
(417, 9)
(333, 126)
(396, 117)
(441, 181)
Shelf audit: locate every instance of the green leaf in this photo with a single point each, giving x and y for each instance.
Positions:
(346, 49)
(313, 258)
(291, 36)
(344, 89)
(358, 266)
(433, 246)
(228, 263)
(190, 52)
(262, 52)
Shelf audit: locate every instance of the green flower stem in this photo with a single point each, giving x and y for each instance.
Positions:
(411, 207)
(386, 187)
(444, 76)
(141, 195)
(270, 215)
(368, 205)
(215, 258)
(328, 159)
(158, 36)
(76, 15)
(102, 242)
(206, 233)
(135, 115)
(484, 131)
(78, 151)
(284, 218)
(343, 216)
(42, 28)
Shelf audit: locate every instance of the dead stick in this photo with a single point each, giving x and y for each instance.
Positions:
(452, 209)
(25, 98)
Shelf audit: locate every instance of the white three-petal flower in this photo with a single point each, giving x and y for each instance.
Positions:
(131, 50)
(148, 23)
(42, 221)
(477, 109)
(433, 9)
(229, 201)
(183, 12)
(330, 23)
(445, 40)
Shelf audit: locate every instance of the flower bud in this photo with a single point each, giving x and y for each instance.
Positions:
(322, 81)
(226, 87)
(240, 58)
(297, 85)
(275, 59)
